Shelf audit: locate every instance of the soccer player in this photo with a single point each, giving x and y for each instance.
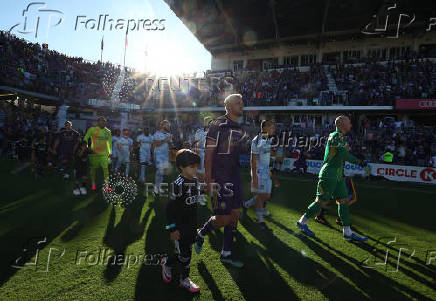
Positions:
(124, 147)
(160, 149)
(101, 148)
(200, 141)
(331, 182)
(144, 140)
(223, 146)
(261, 181)
(182, 218)
(65, 145)
(114, 157)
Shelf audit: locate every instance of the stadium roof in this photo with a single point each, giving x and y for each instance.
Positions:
(235, 25)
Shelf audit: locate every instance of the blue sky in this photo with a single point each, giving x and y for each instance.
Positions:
(172, 50)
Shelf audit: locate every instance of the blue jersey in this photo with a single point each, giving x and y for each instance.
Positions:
(261, 147)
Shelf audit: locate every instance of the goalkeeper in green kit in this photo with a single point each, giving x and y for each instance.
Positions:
(331, 181)
(101, 147)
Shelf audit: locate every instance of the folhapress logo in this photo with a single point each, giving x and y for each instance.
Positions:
(36, 16)
(33, 15)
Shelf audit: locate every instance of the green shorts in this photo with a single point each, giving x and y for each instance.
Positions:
(329, 189)
(96, 161)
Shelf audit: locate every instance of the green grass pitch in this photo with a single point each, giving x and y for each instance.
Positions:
(399, 218)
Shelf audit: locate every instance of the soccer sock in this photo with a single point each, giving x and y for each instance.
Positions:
(127, 168)
(259, 214)
(143, 172)
(207, 227)
(186, 264)
(347, 231)
(92, 172)
(344, 214)
(303, 220)
(228, 240)
(312, 210)
(250, 202)
(159, 177)
(106, 174)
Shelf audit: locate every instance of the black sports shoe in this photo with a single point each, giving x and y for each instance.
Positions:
(263, 226)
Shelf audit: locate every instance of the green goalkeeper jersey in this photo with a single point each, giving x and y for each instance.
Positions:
(335, 155)
(101, 140)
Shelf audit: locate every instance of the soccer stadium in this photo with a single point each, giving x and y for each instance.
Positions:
(218, 150)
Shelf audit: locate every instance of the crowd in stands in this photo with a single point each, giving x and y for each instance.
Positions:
(410, 143)
(36, 68)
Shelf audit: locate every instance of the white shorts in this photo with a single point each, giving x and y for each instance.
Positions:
(144, 156)
(161, 163)
(264, 184)
(123, 159)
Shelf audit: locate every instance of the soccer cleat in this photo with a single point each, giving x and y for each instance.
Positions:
(189, 285)
(339, 222)
(66, 176)
(231, 261)
(166, 271)
(93, 188)
(266, 213)
(249, 203)
(76, 191)
(321, 220)
(198, 242)
(305, 229)
(263, 226)
(355, 238)
(83, 190)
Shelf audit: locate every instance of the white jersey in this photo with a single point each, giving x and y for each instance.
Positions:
(144, 142)
(161, 152)
(200, 136)
(125, 144)
(262, 147)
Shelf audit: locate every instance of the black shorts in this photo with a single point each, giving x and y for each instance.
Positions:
(81, 169)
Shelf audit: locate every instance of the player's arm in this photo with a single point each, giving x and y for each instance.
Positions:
(342, 151)
(119, 147)
(160, 142)
(109, 143)
(254, 159)
(88, 134)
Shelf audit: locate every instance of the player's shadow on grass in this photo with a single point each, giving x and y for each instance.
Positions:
(118, 237)
(210, 282)
(83, 216)
(44, 219)
(380, 253)
(369, 281)
(278, 258)
(149, 283)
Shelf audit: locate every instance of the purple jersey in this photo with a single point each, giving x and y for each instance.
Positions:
(228, 137)
(67, 141)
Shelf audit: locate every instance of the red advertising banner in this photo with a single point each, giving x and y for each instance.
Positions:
(415, 104)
